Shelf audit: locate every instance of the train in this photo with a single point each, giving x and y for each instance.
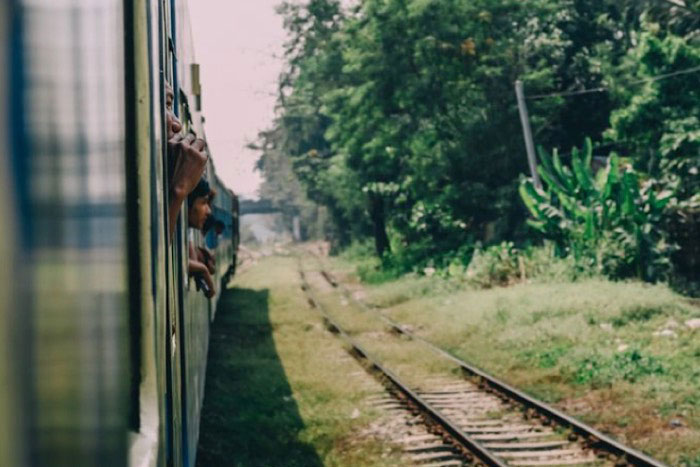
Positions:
(103, 334)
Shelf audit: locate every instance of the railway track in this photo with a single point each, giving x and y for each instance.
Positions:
(476, 418)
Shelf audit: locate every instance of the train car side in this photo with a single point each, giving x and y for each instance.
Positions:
(106, 334)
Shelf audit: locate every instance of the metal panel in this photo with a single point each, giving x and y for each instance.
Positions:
(147, 237)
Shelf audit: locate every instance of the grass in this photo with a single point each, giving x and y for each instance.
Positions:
(409, 360)
(280, 390)
(589, 347)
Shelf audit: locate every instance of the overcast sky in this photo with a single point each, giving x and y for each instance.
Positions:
(236, 42)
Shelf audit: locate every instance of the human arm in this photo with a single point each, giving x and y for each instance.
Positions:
(187, 162)
(198, 269)
(205, 256)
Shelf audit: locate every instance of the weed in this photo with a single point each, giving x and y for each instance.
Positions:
(638, 313)
(549, 357)
(502, 315)
(504, 264)
(630, 366)
(498, 265)
(591, 319)
(371, 271)
(358, 250)
(688, 461)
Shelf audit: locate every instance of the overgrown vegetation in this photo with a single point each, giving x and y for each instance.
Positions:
(618, 355)
(398, 118)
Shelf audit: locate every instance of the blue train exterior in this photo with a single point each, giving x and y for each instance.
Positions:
(103, 336)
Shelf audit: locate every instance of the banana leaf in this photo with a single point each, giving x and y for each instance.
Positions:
(563, 173)
(530, 197)
(613, 175)
(587, 153)
(589, 233)
(537, 225)
(601, 178)
(551, 180)
(629, 193)
(545, 159)
(568, 203)
(660, 201)
(582, 175)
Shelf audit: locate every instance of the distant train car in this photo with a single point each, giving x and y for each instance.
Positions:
(104, 335)
(235, 231)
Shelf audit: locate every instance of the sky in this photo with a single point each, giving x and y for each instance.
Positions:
(238, 45)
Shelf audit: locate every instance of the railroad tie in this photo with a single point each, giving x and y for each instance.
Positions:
(500, 429)
(536, 445)
(428, 447)
(539, 454)
(449, 463)
(514, 436)
(572, 461)
(419, 438)
(431, 456)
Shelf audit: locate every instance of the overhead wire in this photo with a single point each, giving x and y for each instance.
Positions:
(605, 88)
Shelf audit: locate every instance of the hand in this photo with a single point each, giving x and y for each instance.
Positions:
(210, 283)
(196, 268)
(187, 162)
(207, 258)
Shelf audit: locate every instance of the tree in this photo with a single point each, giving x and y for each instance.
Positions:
(658, 122)
(399, 115)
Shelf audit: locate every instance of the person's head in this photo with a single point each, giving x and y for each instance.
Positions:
(199, 208)
(172, 122)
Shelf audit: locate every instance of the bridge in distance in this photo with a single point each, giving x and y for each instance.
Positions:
(263, 206)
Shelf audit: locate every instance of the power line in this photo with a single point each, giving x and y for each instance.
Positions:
(604, 89)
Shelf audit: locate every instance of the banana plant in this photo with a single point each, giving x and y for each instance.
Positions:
(609, 220)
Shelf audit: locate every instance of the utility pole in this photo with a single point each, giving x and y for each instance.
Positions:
(527, 132)
(296, 228)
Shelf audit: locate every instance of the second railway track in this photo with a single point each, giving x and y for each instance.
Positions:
(473, 417)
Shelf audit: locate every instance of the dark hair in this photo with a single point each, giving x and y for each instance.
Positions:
(202, 190)
(212, 194)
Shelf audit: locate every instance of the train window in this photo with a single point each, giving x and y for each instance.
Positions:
(185, 113)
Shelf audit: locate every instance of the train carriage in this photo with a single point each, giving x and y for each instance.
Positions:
(105, 334)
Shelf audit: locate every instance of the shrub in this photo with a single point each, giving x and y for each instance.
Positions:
(610, 221)
(634, 314)
(504, 264)
(358, 250)
(498, 265)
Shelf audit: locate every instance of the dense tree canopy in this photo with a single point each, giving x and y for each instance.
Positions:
(399, 116)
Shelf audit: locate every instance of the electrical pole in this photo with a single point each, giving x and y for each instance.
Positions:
(527, 132)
